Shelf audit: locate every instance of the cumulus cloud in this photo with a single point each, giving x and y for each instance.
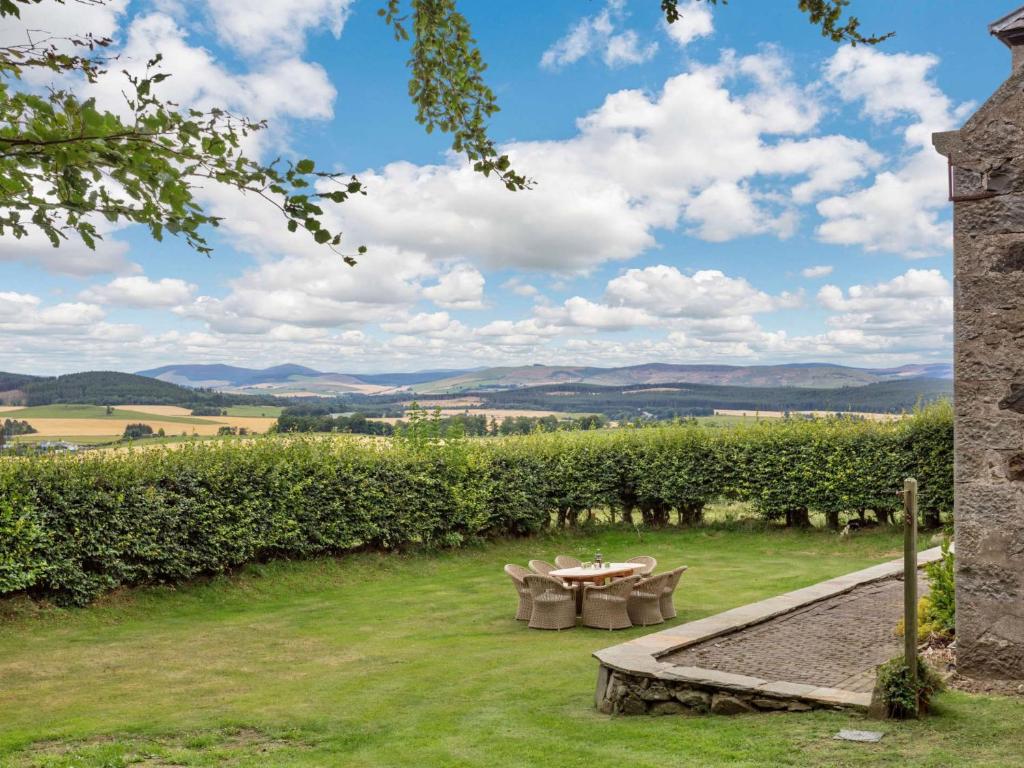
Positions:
(917, 306)
(140, 291)
(462, 288)
(598, 34)
(904, 210)
(695, 21)
(664, 291)
(284, 87)
(720, 147)
(519, 288)
(817, 271)
(279, 28)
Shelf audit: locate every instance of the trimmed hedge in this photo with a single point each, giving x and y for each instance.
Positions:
(72, 527)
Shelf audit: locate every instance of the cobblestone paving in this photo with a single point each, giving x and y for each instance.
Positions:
(835, 643)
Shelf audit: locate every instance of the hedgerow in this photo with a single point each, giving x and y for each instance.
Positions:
(72, 527)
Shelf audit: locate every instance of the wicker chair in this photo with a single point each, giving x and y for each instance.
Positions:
(645, 600)
(543, 567)
(565, 561)
(606, 607)
(554, 604)
(649, 564)
(516, 573)
(668, 608)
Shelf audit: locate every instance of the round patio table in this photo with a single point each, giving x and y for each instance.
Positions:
(596, 575)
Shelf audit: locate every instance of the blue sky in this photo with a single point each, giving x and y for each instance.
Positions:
(736, 189)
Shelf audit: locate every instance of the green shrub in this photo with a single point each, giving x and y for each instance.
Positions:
(136, 431)
(939, 616)
(899, 696)
(72, 527)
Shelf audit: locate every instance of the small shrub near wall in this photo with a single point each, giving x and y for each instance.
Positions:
(72, 527)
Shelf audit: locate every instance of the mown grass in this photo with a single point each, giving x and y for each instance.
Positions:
(270, 411)
(415, 660)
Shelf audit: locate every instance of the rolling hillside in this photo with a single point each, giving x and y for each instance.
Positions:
(808, 375)
(112, 387)
(296, 380)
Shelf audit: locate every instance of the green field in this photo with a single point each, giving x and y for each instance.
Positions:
(397, 660)
(270, 411)
(93, 412)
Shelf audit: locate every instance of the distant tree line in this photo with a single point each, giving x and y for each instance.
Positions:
(463, 424)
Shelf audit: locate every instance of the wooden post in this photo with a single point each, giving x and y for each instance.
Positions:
(910, 580)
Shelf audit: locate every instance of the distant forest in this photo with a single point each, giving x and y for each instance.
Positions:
(666, 401)
(111, 387)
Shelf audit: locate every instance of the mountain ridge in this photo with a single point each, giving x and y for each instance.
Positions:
(292, 379)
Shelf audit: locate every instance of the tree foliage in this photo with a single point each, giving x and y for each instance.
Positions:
(66, 163)
(89, 523)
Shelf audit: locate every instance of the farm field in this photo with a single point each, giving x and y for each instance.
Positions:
(415, 660)
(86, 423)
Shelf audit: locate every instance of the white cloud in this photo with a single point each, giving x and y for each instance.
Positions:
(584, 313)
(140, 291)
(518, 287)
(918, 303)
(664, 291)
(693, 152)
(598, 34)
(284, 87)
(818, 271)
(462, 288)
(278, 28)
(695, 21)
(904, 210)
(71, 258)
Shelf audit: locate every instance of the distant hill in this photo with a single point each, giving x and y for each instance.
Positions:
(682, 399)
(114, 387)
(298, 380)
(281, 380)
(811, 375)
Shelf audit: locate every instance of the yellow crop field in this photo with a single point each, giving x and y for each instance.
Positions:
(159, 410)
(115, 427)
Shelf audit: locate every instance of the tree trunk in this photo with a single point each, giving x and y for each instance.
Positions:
(832, 520)
(798, 517)
(691, 512)
(931, 519)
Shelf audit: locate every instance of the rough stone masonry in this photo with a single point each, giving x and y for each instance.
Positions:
(986, 159)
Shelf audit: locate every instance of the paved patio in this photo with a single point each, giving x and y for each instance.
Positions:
(815, 647)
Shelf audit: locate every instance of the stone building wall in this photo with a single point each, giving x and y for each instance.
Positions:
(987, 172)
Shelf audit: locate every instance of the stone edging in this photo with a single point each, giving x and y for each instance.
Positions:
(635, 664)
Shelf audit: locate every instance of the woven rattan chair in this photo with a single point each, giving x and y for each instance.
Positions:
(645, 600)
(668, 608)
(543, 567)
(607, 606)
(649, 564)
(565, 561)
(554, 604)
(516, 573)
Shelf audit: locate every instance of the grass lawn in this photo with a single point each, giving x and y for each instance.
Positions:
(376, 661)
(270, 411)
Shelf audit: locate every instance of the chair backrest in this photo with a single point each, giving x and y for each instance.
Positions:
(543, 567)
(567, 561)
(618, 587)
(538, 584)
(649, 564)
(652, 583)
(517, 572)
(674, 576)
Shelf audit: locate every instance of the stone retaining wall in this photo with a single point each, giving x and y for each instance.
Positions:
(632, 695)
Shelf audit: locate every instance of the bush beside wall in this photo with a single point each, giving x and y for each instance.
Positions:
(72, 527)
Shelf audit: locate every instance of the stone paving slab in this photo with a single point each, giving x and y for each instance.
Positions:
(819, 644)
